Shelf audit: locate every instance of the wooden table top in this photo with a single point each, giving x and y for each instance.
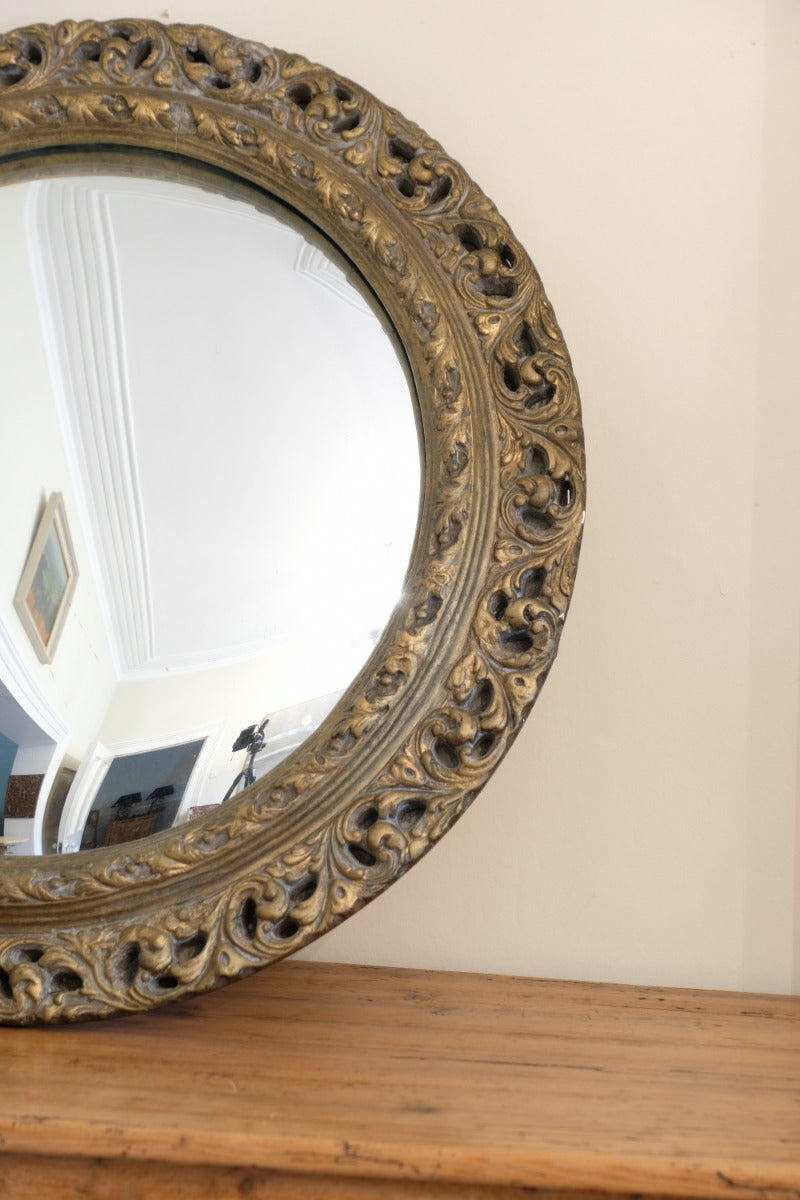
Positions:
(322, 1072)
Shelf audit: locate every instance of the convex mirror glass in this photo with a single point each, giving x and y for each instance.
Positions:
(216, 404)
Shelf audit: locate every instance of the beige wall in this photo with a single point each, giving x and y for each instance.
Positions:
(644, 827)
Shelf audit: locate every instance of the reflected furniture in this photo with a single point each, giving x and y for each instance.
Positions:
(127, 829)
(90, 831)
(316, 1080)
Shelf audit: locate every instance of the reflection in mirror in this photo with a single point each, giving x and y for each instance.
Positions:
(219, 409)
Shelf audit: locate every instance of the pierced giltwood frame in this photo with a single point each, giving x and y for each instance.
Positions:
(429, 717)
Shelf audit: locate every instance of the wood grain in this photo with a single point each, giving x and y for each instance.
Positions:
(397, 1077)
(29, 1178)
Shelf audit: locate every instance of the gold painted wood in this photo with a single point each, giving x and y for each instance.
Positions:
(476, 630)
(313, 1079)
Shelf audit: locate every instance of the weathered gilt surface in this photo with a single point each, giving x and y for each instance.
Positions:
(423, 726)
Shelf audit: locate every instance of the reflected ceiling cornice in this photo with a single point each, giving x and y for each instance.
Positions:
(108, 326)
(73, 259)
(19, 682)
(314, 264)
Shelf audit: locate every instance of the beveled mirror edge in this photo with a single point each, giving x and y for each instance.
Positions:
(442, 697)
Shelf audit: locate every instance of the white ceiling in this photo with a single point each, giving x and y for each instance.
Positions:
(238, 424)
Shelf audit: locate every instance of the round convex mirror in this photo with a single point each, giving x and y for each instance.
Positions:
(198, 551)
(472, 618)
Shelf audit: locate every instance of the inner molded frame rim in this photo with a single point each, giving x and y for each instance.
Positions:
(180, 168)
(93, 152)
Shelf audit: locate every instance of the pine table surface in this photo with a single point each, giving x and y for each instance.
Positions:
(320, 1080)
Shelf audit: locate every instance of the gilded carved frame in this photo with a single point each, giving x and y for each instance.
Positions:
(423, 726)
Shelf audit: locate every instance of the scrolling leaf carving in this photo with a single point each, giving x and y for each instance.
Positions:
(489, 584)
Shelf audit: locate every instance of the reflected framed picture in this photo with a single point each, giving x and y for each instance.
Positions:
(48, 581)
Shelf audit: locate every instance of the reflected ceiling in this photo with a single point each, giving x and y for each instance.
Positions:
(218, 393)
(220, 407)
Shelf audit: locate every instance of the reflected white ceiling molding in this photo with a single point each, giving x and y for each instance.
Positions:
(315, 264)
(73, 260)
(18, 682)
(230, 405)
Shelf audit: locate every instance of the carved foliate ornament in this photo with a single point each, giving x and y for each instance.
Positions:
(456, 671)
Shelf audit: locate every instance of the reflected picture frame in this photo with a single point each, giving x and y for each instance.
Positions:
(47, 584)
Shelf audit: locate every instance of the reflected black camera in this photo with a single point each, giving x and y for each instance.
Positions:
(245, 739)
